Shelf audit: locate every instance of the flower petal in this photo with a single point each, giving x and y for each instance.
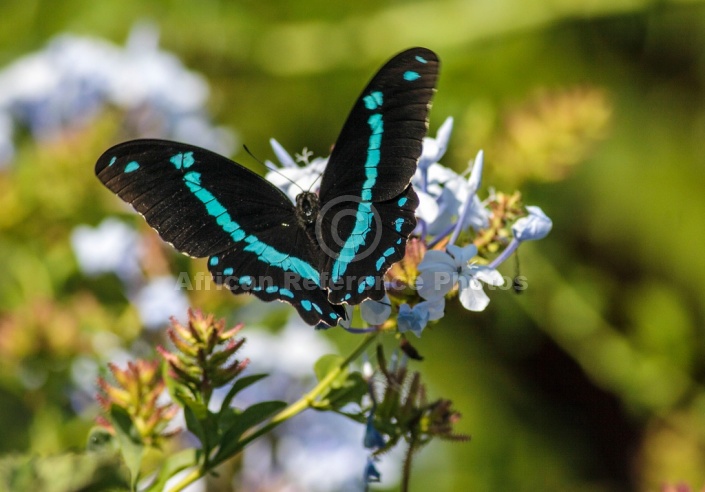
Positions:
(281, 153)
(412, 319)
(428, 209)
(376, 312)
(472, 297)
(535, 226)
(475, 179)
(462, 254)
(434, 148)
(435, 308)
(488, 275)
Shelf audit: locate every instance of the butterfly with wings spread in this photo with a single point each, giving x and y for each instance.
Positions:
(326, 250)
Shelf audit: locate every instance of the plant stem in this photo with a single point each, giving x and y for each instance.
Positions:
(306, 401)
(406, 472)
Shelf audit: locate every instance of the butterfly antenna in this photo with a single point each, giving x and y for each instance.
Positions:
(271, 169)
(314, 181)
(517, 283)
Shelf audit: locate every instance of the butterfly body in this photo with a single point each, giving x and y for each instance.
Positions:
(326, 249)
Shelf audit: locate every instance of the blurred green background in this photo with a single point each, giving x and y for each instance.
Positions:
(591, 380)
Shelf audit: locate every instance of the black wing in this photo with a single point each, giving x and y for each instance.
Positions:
(367, 202)
(207, 205)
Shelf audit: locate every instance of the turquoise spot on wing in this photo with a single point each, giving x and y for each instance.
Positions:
(402, 201)
(368, 282)
(238, 235)
(333, 315)
(193, 177)
(271, 289)
(214, 207)
(132, 167)
(375, 122)
(213, 261)
(398, 224)
(318, 309)
(375, 141)
(421, 59)
(286, 293)
(373, 100)
(382, 259)
(245, 280)
(410, 76)
(183, 160)
(112, 161)
(306, 304)
(228, 271)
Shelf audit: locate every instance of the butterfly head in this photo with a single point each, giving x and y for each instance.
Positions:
(307, 207)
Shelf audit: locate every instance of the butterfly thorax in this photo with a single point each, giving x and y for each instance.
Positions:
(307, 207)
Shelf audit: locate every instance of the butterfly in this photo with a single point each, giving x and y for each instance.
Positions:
(326, 250)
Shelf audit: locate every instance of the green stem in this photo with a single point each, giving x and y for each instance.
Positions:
(303, 403)
(406, 472)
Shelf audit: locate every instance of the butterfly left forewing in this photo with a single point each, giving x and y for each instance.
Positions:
(206, 205)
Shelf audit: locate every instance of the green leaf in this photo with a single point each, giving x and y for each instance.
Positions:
(238, 386)
(250, 417)
(173, 465)
(196, 423)
(131, 445)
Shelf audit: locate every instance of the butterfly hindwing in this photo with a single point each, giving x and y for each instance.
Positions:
(366, 201)
(206, 205)
(390, 224)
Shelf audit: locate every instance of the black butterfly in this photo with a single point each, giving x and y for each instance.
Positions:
(330, 249)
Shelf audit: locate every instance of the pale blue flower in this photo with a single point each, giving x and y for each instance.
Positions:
(111, 247)
(74, 78)
(450, 191)
(415, 319)
(160, 299)
(533, 227)
(293, 179)
(472, 207)
(376, 312)
(284, 157)
(434, 149)
(412, 319)
(441, 271)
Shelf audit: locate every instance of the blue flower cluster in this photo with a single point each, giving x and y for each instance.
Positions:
(449, 207)
(69, 82)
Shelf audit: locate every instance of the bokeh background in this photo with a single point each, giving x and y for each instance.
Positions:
(590, 380)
